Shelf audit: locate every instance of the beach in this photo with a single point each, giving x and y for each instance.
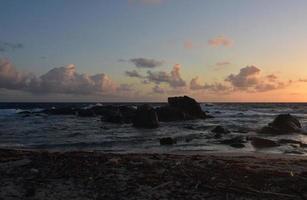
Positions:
(95, 175)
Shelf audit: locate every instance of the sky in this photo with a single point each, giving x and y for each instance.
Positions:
(148, 50)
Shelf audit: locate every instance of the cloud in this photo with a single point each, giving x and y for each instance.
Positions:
(272, 77)
(173, 78)
(125, 88)
(67, 80)
(215, 87)
(158, 90)
(264, 87)
(10, 78)
(221, 65)
(249, 79)
(61, 80)
(188, 44)
(8, 46)
(302, 80)
(146, 63)
(133, 74)
(220, 41)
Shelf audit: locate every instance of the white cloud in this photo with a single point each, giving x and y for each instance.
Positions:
(61, 80)
(249, 79)
(10, 78)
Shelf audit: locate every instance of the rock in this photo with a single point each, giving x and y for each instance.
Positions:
(284, 123)
(85, 113)
(218, 135)
(114, 117)
(167, 141)
(237, 145)
(289, 141)
(180, 108)
(145, 117)
(102, 110)
(220, 129)
(258, 142)
(116, 114)
(294, 152)
(61, 111)
(168, 113)
(25, 112)
(237, 139)
(188, 105)
(236, 142)
(128, 113)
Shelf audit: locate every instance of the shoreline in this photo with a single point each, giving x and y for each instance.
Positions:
(96, 175)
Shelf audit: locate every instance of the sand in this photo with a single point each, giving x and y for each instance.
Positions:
(96, 175)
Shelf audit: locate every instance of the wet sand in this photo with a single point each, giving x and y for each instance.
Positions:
(94, 175)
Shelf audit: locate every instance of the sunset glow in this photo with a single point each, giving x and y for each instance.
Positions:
(147, 50)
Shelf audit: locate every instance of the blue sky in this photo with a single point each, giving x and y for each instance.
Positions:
(95, 34)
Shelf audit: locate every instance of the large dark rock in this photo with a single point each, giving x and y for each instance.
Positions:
(145, 117)
(188, 105)
(128, 113)
(168, 114)
(180, 108)
(258, 142)
(116, 114)
(113, 117)
(284, 123)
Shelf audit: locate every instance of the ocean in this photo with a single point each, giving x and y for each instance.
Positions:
(73, 133)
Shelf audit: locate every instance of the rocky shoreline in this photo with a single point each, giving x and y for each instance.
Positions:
(182, 109)
(94, 175)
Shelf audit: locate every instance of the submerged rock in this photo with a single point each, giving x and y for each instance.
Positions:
(284, 123)
(294, 152)
(258, 142)
(220, 129)
(145, 117)
(167, 141)
(237, 145)
(25, 112)
(61, 111)
(237, 142)
(289, 141)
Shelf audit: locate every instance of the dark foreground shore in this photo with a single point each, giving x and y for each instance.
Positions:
(93, 175)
